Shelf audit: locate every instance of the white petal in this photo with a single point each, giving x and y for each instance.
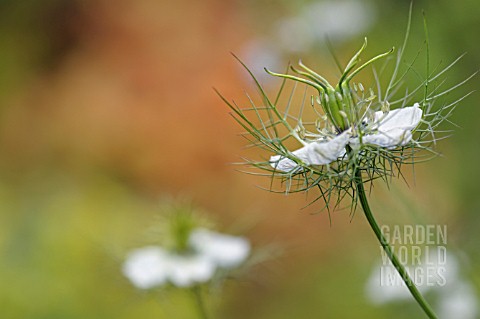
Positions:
(315, 153)
(187, 270)
(282, 163)
(224, 250)
(406, 118)
(393, 128)
(147, 267)
(388, 139)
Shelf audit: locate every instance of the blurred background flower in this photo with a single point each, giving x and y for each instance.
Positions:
(438, 277)
(197, 253)
(107, 105)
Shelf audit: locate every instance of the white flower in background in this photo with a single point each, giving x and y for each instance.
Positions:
(224, 250)
(152, 266)
(459, 302)
(438, 273)
(147, 267)
(436, 270)
(338, 20)
(295, 34)
(388, 130)
(259, 53)
(385, 285)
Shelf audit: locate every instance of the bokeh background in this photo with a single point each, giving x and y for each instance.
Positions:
(106, 107)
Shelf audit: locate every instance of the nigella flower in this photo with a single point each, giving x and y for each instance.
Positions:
(349, 136)
(388, 130)
(350, 131)
(208, 251)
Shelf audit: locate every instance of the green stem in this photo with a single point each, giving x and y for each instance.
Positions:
(388, 250)
(199, 302)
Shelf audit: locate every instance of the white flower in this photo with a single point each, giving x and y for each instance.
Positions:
(258, 54)
(187, 270)
(459, 302)
(385, 285)
(152, 266)
(339, 19)
(388, 130)
(436, 270)
(147, 267)
(336, 20)
(224, 250)
(437, 273)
